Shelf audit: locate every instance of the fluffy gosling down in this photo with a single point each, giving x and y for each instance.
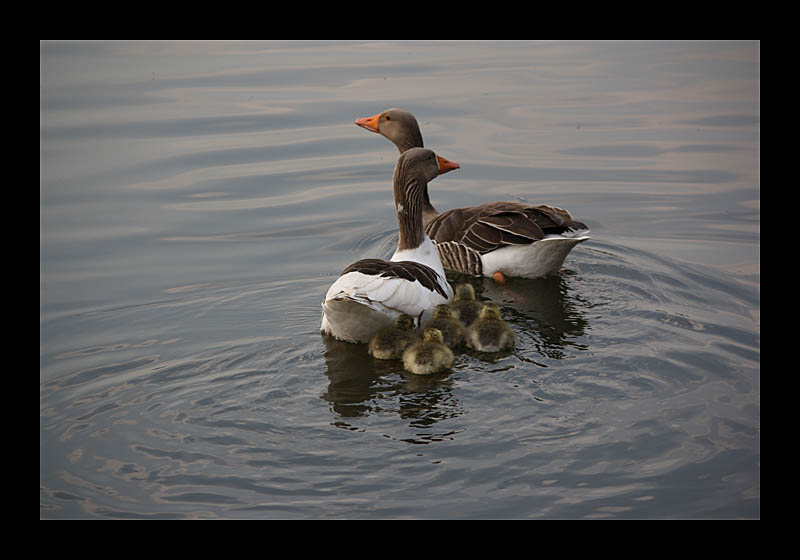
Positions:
(453, 330)
(465, 307)
(389, 343)
(489, 333)
(428, 356)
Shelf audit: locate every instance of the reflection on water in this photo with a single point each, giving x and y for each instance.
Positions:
(544, 310)
(360, 386)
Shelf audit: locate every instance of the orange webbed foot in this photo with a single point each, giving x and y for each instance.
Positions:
(499, 278)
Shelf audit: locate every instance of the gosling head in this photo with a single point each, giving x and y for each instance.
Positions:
(490, 311)
(404, 322)
(465, 291)
(433, 335)
(443, 311)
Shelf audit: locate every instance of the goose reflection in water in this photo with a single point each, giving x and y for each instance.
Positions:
(360, 386)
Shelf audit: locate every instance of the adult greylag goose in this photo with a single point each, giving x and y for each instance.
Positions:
(495, 239)
(371, 293)
(429, 356)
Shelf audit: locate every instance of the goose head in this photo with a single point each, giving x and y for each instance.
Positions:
(398, 126)
(420, 166)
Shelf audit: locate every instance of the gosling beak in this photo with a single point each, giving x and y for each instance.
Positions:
(446, 165)
(370, 123)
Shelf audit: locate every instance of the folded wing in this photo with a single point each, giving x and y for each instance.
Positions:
(493, 225)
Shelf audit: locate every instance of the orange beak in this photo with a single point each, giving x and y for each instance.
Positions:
(446, 165)
(370, 123)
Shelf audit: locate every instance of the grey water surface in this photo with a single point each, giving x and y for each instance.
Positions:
(198, 198)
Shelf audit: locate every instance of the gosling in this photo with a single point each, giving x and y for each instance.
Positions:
(429, 356)
(453, 330)
(389, 343)
(465, 307)
(489, 333)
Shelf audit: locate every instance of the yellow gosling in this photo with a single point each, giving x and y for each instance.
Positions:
(453, 330)
(465, 307)
(389, 343)
(489, 333)
(429, 356)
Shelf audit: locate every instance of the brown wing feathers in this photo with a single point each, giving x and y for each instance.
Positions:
(407, 270)
(489, 226)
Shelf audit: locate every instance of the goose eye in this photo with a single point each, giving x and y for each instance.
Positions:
(387, 118)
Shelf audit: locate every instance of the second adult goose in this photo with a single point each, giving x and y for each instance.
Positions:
(495, 239)
(371, 293)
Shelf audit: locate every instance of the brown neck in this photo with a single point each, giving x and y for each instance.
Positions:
(409, 193)
(404, 143)
(409, 137)
(407, 142)
(428, 211)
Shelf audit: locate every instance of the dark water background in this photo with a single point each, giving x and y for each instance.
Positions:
(197, 199)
